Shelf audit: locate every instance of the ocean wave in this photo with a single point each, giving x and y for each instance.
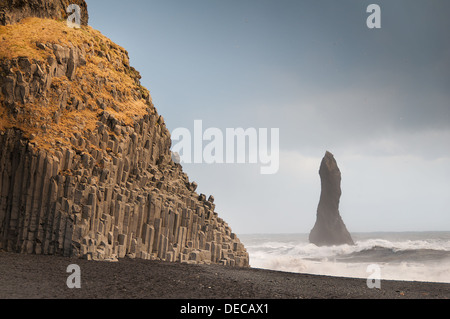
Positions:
(375, 247)
(417, 260)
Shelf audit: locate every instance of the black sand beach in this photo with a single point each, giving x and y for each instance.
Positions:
(44, 277)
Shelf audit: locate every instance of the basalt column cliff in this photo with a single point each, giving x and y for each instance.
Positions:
(329, 229)
(85, 161)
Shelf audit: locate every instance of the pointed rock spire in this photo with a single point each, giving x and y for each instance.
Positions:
(330, 229)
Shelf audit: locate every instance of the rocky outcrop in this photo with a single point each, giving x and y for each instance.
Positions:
(109, 196)
(13, 11)
(31, 78)
(330, 229)
(85, 163)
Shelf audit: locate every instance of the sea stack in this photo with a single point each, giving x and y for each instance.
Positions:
(330, 229)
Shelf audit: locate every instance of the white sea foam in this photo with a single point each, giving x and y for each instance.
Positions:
(401, 256)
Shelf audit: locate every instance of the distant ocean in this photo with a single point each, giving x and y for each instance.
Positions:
(409, 256)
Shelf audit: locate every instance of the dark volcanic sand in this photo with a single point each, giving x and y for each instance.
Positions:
(44, 277)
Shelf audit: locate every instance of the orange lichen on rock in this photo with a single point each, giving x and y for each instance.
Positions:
(57, 80)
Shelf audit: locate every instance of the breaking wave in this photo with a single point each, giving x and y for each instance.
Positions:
(401, 256)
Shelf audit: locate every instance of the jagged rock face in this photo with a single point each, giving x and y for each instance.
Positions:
(330, 229)
(13, 11)
(85, 163)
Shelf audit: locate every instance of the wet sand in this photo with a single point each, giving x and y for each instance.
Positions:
(44, 277)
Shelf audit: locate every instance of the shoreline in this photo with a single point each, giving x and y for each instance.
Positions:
(45, 277)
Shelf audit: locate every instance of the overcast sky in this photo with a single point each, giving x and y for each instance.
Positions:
(378, 99)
